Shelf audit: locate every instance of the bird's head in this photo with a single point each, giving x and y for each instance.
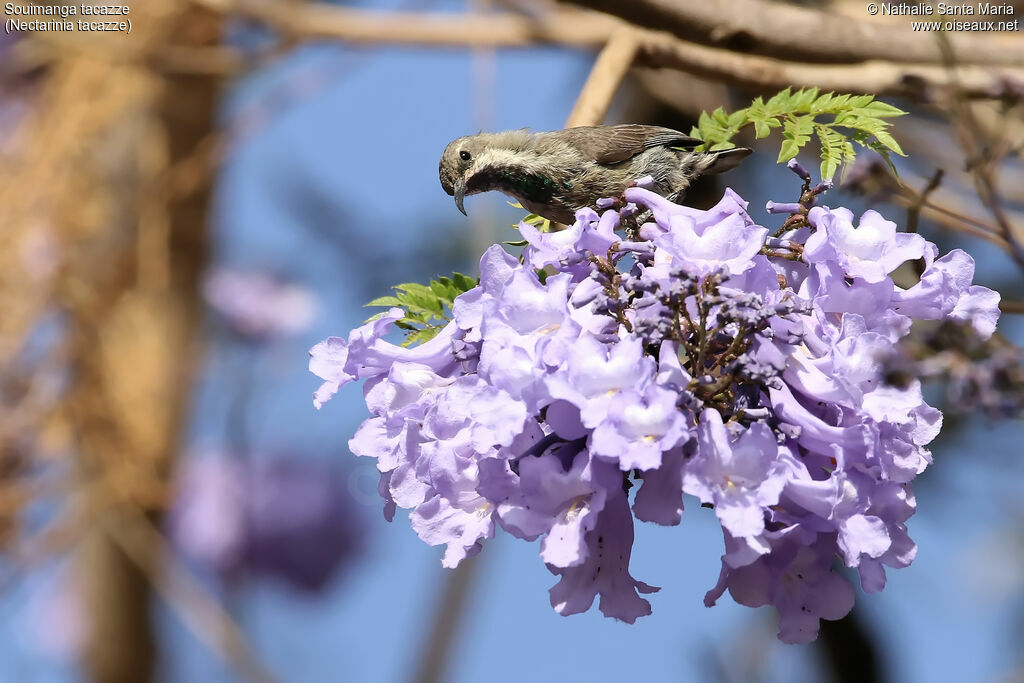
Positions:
(459, 162)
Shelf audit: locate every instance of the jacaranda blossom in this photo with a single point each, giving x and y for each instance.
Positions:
(601, 377)
(286, 518)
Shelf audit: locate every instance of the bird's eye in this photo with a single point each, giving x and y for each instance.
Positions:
(464, 155)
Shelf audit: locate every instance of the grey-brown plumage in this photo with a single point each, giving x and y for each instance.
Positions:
(555, 173)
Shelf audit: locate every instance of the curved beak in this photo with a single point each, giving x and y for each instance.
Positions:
(460, 194)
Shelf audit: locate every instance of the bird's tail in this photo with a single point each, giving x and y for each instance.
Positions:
(726, 160)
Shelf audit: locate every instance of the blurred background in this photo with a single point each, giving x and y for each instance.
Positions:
(187, 208)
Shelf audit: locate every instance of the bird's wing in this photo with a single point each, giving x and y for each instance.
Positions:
(614, 144)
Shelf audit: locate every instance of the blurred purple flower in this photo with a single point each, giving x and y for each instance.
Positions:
(56, 625)
(257, 305)
(290, 519)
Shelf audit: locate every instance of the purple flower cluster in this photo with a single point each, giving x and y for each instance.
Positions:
(287, 518)
(700, 356)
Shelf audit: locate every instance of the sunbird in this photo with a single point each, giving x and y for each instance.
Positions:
(555, 173)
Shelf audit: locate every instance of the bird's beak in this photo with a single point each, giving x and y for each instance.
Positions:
(460, 194)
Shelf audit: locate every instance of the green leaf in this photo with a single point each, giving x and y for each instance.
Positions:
(822, 102)
(779, 103)
(420, 336)
(737, 118)
(542, 224)
(796, 131)
(849, 153)
(414, 289)
(859, 119)
(831, 150)
(464, 282)
(889, 142)
(858, 101)
(426, 306)
(837, 103)
(756, 111)
(805, 126)
(704, 121)
(789, 150)
(884, 153)
(388, 301)
(883, 109)
(851, 120)
(803, 99)
(438, 288)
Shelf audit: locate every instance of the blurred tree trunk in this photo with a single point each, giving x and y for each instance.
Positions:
(133, 305)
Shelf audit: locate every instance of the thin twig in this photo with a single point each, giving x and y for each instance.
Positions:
(980, 157)
(1011, 306)
(914, 212)
(199, 610)
(945, 216)
(433, 661)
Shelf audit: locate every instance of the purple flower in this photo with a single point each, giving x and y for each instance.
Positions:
(329, 360)
(56, 623)
(797, 580)
(742, 477)
(639, 427)
(208, 521)
(688, 360)
(366, 355)
(290, 519)
(660, 498)
(870, 251)
(460, 528)
(547, 499)
(945, 290)
(605, 569)
(594, 376)
(589, 233)
(703, 242)
(257, 305)
(302, 524)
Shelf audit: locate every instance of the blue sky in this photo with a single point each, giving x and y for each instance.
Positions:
(353, 150)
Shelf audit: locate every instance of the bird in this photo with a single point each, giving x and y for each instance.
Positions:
(553, 174)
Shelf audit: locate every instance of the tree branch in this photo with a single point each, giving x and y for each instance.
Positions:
(317, 20)
(611, 67)
(800, 33)
(147, 548)
(766, 73)
(580, 29)
(1012, 307)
